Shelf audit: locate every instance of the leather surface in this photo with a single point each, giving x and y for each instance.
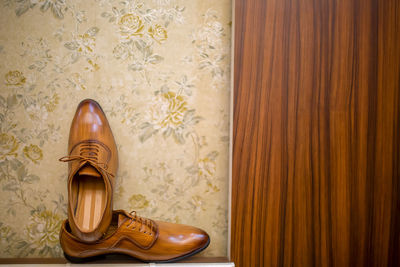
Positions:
(138, 237)
(91, 137)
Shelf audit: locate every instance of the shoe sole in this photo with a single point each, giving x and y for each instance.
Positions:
(103, 256)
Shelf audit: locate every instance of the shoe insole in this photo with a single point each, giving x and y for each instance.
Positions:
(91, 199)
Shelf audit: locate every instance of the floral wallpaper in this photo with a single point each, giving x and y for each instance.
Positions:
(160, 70)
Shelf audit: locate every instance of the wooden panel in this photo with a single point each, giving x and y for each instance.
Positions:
(316, 142)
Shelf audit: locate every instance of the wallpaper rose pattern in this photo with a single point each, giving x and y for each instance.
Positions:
(160, 70)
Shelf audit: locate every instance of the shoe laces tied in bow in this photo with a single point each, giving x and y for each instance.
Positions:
(89, 154)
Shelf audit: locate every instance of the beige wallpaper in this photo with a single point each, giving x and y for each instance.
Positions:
(159, 69)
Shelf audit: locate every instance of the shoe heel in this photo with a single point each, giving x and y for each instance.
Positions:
(83, 260)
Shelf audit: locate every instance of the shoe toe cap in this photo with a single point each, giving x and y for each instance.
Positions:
(90, 113)
(182, 238)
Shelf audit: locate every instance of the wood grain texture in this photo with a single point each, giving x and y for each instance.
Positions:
(316, 141)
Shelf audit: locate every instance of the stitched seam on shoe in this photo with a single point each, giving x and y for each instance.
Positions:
(134, 242)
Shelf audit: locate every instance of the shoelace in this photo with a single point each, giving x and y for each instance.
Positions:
(88, 153)
(135, 219)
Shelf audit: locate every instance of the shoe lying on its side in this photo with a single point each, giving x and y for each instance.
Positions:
(93, 163)
(141, 238)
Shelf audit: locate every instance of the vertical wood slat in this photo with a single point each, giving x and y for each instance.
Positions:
(316, 141)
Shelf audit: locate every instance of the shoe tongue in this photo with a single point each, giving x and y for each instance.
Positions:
(89, 171)
(121, 219)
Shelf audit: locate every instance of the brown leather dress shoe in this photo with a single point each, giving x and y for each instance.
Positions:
(144, 239)
(93, 163)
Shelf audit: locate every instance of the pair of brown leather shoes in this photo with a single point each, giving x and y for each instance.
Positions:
(93, 228)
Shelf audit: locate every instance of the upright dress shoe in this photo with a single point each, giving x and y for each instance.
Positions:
(141, 238)
(93, 163)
